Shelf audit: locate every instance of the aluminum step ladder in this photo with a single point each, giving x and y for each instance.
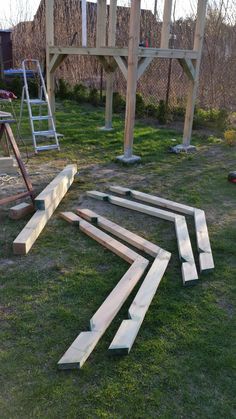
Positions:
(42, 103)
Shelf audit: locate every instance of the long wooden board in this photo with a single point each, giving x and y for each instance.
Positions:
(84, 344)
(120, 232)
(56, 188)
(128, 330)
(203, 241)
(189, 271)
(27, 237)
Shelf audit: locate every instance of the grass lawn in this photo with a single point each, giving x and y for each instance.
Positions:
(183, 363)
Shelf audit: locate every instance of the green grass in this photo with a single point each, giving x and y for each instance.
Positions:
(182, 364)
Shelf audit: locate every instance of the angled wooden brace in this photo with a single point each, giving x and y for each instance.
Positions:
(188, 268)
(123, 65)
(203, 242)
(125, 337)
(84, 344)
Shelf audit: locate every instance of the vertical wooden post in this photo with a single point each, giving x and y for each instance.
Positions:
(50, 42)
(110, 76)
(165, 30)
(84, 23)
(193, 84)
(101, 23)
(134, 34)
(1, 60)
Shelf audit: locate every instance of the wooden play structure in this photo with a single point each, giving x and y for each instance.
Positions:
(132, 61)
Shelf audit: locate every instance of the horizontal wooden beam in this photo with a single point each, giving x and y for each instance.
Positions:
(123, 52)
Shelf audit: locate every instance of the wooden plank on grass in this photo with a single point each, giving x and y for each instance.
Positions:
(128, 330)
(203, 241)
(184, 244)
(84, 344)
(154, 200)
(120, 232)
(21, 210)
(57, 188)
(104, 239)
(27, 237)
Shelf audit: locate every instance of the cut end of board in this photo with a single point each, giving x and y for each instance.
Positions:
(189, 274)
(87, 214)
(98, 195)
(79, 351)
(125, 337)
(206, 262)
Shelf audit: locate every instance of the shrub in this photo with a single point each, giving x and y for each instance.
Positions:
(230, 137)
(80, 93)
(118, 102)
(151, 110)
(211, 118)
(140, 105)
(94, 97)
(162, 112)
(63, 90)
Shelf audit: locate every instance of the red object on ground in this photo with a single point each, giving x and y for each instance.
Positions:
(5, 94)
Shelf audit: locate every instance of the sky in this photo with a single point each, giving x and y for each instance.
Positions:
(14, 11)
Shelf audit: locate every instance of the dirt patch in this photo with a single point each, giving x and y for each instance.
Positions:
(226, 306)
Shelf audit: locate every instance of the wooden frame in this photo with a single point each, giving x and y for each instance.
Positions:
(203, 242)
(189, 60)
(84, 344)
(188, 267)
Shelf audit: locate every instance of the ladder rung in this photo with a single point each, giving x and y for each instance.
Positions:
(45, 133)
(47, 147)
(41, 118)
(36, 102)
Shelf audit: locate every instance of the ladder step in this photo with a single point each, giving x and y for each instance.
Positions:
(41, 118)
(50, 133)
(47, 147)
(36, 102)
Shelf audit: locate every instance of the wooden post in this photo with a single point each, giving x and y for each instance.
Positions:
(133, 50)
(165, 31)
(110, 76)
(84, 23)
(49, 43)
(1, 60)
(101, 23)
(193, 83)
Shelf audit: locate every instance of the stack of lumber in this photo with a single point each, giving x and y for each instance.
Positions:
(47, 201)
(8, 166)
